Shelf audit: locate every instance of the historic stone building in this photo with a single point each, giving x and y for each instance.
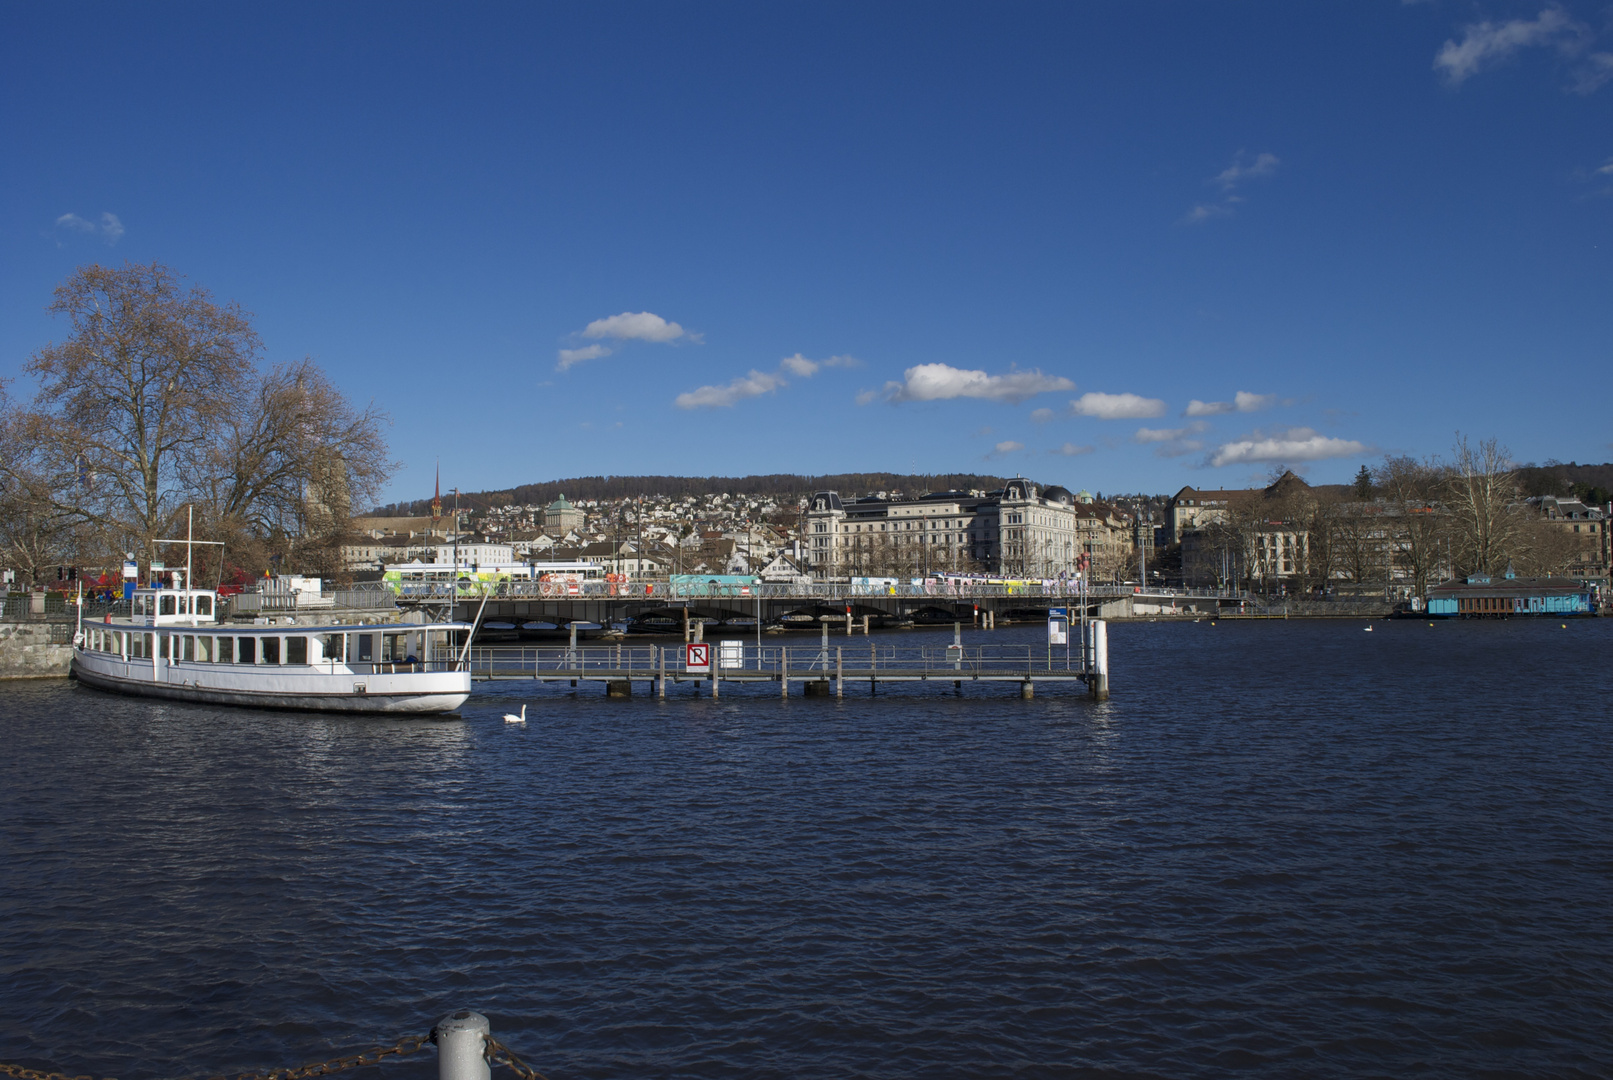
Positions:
(1020, 531)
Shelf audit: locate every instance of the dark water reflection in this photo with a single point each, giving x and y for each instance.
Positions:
(1293, 849)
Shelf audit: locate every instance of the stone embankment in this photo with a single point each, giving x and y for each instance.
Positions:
(34, 650)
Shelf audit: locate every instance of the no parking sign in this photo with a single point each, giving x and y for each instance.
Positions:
(697, 656)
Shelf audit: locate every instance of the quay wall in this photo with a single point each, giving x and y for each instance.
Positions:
(27, 652)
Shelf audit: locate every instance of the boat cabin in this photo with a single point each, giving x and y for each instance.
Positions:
(173, 607)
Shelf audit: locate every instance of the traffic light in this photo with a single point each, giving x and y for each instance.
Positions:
(61, 573)
(72, 573)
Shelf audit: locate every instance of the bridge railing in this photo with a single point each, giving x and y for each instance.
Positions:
(824, 591)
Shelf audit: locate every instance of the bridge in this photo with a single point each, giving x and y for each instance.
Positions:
(656, 605)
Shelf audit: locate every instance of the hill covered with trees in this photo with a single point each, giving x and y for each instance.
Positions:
(776, 485)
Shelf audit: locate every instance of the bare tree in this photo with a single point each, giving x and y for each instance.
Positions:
(1484, 497)
(154, 400)
(1419, 526)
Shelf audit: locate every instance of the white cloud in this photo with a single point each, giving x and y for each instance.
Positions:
(1597, 69)
(568, 357)
(758, 383)
(1008, 446)
(843, 362)
(867, 397)
(1041, 416)
(1148, 435)
(1228, 180)
(643, 326)
(1071, 450)
(943, 382)
(1486, 44)
(1294, 444)
(799, 365)
(110, 228)
(755, 384)
(1238, 172)
(1242, 401)
(1205, 211)
(1606, 170)
(1117, 406)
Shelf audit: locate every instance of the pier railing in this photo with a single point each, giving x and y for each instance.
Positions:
(733, 661)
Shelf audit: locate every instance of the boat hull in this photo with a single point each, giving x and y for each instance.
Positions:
(410, 693)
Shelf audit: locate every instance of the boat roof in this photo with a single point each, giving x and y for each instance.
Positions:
(287, 628)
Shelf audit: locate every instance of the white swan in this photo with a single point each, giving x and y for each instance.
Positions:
(511, 718)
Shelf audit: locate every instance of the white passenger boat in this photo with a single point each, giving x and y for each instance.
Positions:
(171, 646)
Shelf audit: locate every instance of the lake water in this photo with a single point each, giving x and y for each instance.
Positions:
(1281, 849)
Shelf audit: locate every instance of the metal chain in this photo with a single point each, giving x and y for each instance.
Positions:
(24, 1073)
(499, 1054)
(402, 1048)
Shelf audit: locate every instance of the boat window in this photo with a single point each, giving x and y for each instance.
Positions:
(184, 604)
(366, 648)
(296, 650)
(331, 646)
(248, 651)
(204, 605)
(204, 649)
(167, 607)
(226, 650)
(190, 647)
(271, 650)
(117, 642)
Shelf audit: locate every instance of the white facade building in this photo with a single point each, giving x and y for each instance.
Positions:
(1021, 531)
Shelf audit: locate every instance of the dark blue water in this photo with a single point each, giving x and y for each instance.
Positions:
(1282, 849)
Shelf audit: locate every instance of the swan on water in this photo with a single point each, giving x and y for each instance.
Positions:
(511, 718)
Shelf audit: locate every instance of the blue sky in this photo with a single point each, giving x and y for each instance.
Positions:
(1122, 247)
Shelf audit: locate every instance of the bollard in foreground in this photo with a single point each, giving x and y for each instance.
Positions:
(462, 1046)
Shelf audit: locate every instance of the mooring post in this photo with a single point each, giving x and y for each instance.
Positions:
(660, 667)
(462, 1046)
(716, 665)
(784, 671)
(840, 678)
(1098, 675)
(865, 626)
(686, 624)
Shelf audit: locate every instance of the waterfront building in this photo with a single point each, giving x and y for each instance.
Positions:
(1482, 596)
(1585, 527)
(475, 553)
(1022, 531)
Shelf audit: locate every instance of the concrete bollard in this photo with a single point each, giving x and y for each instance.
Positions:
(462, 1046)
(1027, 690)
(619, 688)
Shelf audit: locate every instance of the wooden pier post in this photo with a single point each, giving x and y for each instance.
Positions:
(784, 671)
(660, 663)
(840, 678)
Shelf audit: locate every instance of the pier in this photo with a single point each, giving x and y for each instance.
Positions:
(820, 669)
